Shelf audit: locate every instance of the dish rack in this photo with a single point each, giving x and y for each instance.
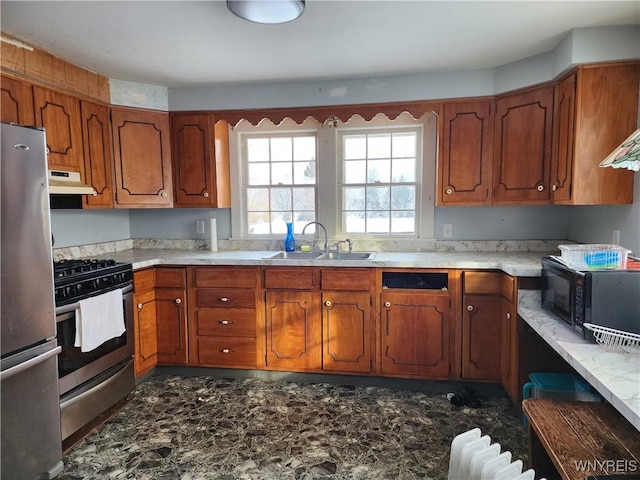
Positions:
(615, 339)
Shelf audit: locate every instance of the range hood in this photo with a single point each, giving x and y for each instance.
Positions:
(68, 183)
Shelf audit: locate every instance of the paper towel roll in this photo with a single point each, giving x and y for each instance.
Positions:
(213, 243)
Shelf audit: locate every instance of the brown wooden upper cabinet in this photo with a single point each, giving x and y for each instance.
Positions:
(16, 101)
(597, 109)
(466, 154)
(200, 161)
(523, 146)
(142, 158)
(98, 158)
(59, 114)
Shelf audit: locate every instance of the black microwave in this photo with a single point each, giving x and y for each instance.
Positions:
(609, 298)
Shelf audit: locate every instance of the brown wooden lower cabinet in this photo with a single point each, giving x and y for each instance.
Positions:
(481, 337)
(145, 332)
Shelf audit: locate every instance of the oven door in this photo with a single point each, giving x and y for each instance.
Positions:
(76, 367)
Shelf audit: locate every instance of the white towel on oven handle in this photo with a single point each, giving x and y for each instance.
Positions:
(99, 319)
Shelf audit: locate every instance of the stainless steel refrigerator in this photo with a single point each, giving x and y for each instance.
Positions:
(29, 399)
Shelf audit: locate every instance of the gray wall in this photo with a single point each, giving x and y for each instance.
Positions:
(81, 227)
(178, 223)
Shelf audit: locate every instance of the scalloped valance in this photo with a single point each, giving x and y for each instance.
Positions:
(322, 114)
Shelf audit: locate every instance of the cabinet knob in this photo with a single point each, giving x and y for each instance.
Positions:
(387, 304)
(95, 194)
(205, 194)
(554, 187)
(47, 150)
(225, 322)
(540, 188)
(227, 350)
(224, 299)
(163, 194)
(508, 316)
(139, 306)
(178, 301)
(449, 191)
(470, 308)
(327, 303)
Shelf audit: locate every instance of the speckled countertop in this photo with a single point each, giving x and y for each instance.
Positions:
(614, 374)
(522, 264)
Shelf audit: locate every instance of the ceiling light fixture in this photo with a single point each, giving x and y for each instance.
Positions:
(627, 155)
(267, 11)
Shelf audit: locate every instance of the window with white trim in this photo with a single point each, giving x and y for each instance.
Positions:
(361, 179)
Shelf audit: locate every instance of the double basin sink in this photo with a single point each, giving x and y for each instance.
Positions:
(330, 255)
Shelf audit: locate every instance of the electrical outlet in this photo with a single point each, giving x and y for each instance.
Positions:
(616, 237)
(199, 226)
(447, 230)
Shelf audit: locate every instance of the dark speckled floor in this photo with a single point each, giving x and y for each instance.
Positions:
(196, 428)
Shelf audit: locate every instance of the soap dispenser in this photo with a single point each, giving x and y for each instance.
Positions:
(289, 240)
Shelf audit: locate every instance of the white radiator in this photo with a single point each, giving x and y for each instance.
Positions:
(474, 457)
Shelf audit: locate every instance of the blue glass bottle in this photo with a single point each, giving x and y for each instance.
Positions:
(289, 241)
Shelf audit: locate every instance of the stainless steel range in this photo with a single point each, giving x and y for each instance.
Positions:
(93, 378)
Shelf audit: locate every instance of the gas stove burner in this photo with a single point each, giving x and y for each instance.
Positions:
(66, 268)
(78, 279)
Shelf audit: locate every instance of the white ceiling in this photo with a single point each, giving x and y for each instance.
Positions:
(183, 43)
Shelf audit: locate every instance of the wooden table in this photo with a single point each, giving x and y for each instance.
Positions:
(572, 440)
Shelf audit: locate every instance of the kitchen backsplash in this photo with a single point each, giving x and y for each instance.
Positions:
(91, 250)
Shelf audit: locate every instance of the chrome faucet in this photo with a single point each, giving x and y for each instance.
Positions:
(326, 238)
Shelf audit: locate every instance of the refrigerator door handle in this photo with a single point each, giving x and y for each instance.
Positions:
(9, 372)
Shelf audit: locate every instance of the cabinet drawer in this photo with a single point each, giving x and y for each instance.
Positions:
(225, 277)
(227, 351)
(226, 297)
(226, 322)
(171, 277)
(298, 278)
(347, 279)
(489, 283)
(144, 280)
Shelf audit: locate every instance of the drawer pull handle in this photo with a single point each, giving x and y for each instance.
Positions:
(178, 301)
(139, 306)
(227, 350)
(327, 303)
(387, 304)
(225, 322)
(225, 299)
(470, 308)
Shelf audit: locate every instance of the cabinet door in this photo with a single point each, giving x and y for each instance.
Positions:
(415, 335)
(142, 158)
(172, 325)
(98, 160)
(509, 351)
(481, 337)
(562, 165)
(59, 114)
(146, 344)
(293, 330)
(523, 147)
(466, 155)
(16, 102)
(346, 330)
(200, 161)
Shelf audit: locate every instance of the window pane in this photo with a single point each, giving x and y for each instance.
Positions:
(304, 198)
(258, 149)
(404, 170)
(377, 198)
(258, 174)
(281, 149)
(354, 198)
(257, 199)
(355, 147)
(379, 145)
(304, 149)
(403, 222)
(304, 172)
(281, 199)
(404, 144)
(354, 222)
(403, 198)
(301, 218)
(258, 223)
(355, 171)
(281, 173)
(378, 222)
(379, 171)
(279, 222)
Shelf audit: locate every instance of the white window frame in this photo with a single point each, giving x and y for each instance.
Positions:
(328, 201)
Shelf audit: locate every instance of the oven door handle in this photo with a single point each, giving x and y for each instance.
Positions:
(32, 362)
(74, 306)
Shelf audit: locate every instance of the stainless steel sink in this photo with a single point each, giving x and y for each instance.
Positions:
(346, 256)
(295, 255)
